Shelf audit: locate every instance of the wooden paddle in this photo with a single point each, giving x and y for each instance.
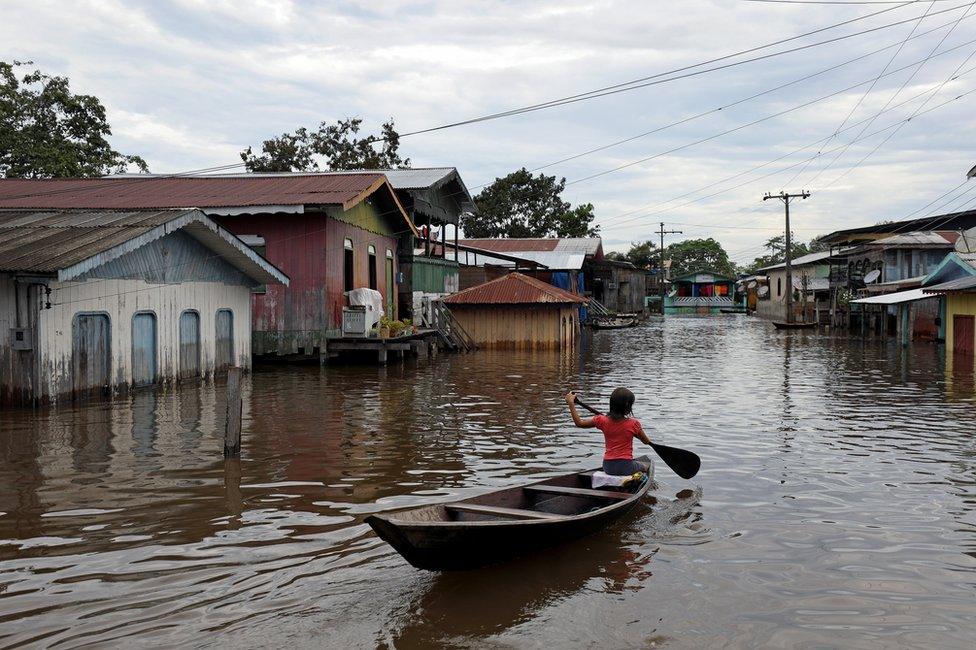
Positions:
(684, 463)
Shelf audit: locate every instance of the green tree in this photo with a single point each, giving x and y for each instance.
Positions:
(523, 205)
(337, 144)
(48, 132)
(643, 255)
(777, 251)
(698, 255)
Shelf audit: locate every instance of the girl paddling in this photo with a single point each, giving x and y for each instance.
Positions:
(619, 430)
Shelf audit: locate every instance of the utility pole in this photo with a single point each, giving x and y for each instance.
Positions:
(662, 232)
(786, 198)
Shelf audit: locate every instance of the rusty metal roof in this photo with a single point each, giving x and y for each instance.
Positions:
(69, 243)
(134, 192)
(513, 289)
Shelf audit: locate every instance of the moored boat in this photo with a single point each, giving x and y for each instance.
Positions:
(793, 326)
(499, 525)
(614, 323)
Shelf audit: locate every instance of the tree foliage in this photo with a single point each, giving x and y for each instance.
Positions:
(523, 205)
(643, 255)
(337, 145)
(693, 255)
(48, 132)
(777, 251)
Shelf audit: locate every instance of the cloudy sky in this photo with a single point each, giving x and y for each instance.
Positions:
(188, 84)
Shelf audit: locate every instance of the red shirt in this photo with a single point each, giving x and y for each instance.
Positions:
(618, 436)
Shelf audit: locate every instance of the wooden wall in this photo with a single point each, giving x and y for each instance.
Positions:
(308, 248)
(520, 327)
(17, 367)
(120, 300)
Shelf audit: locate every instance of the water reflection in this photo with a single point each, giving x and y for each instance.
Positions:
(835, 505)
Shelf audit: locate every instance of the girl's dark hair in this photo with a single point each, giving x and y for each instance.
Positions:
(621, 404)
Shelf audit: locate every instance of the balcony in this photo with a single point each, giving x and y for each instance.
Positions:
(699, 301)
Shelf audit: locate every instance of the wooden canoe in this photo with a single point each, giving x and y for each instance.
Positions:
(503, 524)
(793, 326)
(613, 323)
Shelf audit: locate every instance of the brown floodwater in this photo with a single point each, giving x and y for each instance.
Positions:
(836, 503)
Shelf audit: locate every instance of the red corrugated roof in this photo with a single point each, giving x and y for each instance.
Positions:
(512, 245)
(513, 289)
(152, 192)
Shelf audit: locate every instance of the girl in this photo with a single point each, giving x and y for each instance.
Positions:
(619, 430)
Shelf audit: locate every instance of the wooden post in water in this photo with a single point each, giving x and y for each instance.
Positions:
(235, 411)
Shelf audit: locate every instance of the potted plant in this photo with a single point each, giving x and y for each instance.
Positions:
(384, 327)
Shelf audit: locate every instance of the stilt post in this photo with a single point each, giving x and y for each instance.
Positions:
(235, 413)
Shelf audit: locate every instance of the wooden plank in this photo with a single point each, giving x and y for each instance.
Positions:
(578, 492)
(511, 513)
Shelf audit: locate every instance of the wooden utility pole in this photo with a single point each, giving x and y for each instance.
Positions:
(235, 407)
(662, 232)
(786, 198)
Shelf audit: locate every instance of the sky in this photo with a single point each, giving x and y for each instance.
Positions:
(188, 84)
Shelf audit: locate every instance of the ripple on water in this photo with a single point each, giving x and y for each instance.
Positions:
(835, 504)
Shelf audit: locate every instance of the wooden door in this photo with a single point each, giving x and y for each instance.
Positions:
(189, 345)
(390, 286)
(144, 349)
(91, 354)
(963, 343)
(225, 339)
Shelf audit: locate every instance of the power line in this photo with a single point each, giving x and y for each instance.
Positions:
(734, 103)
(656, 79)
(867, 92)
(898, 92)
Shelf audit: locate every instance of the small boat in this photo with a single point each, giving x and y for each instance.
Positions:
(733, 310)
(503, 524)
(613, 323)
(793, 326)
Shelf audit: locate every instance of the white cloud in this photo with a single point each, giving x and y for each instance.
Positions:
(190, 83)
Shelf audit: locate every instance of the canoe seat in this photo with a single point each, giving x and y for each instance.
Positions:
(578, 492)
(509, 513)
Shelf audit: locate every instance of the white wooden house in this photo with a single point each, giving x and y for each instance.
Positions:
(95, 301)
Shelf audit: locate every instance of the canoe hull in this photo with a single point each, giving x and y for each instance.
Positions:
(441, 545)
(793, 326)
(447, 548)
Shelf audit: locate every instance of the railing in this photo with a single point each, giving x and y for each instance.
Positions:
(598, 308)
(449, 329)
(701, 301)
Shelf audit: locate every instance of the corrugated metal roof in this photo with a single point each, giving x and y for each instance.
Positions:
(893, 298)
(919, 238)
(412, 178)
(62, 242)
(579, 245)
(949, 221)
(152, 192)
(812, 258)
(551, 259)
(962, 284)
(513, 289)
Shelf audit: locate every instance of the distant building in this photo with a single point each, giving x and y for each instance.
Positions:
(93, 301)
(701, 292)
(518, 311)
(329, 232)
(811, 289)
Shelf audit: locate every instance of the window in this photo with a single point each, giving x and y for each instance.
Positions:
(348, 269)
(372, 266)
(779, 286)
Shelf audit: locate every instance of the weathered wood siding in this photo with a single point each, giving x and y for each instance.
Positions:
(520, 327)
(120, 301)
(309, 249)
(18, 372)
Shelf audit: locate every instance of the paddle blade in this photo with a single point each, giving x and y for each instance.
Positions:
(684, 463)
